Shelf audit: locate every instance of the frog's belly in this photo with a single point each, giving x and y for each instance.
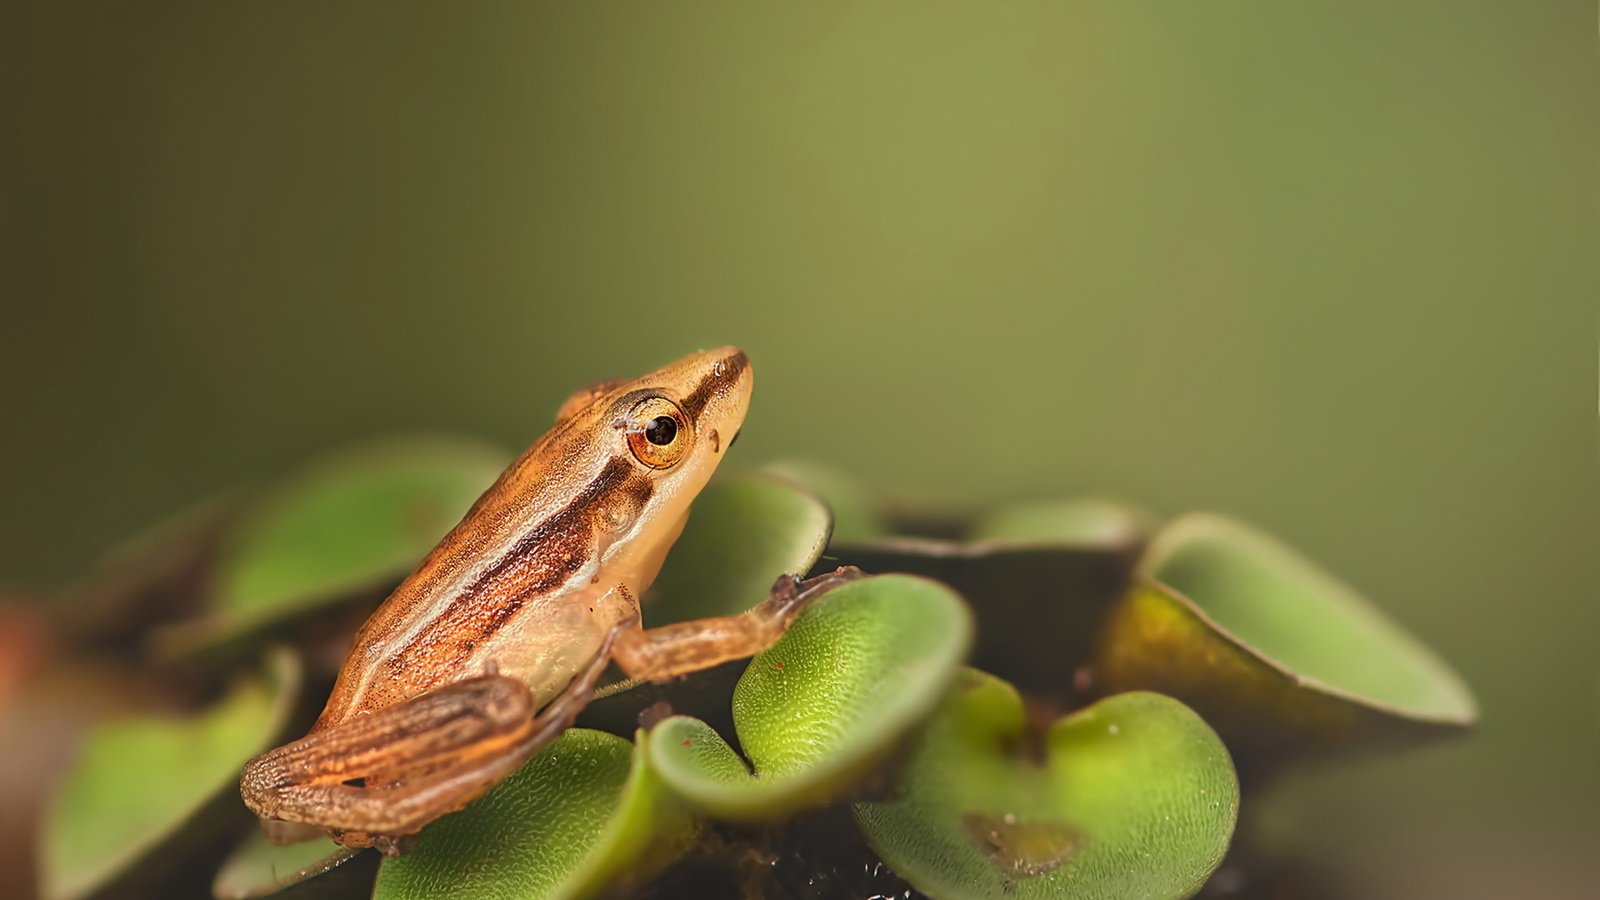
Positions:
(544, 649)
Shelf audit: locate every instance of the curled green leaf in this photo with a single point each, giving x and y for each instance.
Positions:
(1277, 654)
(824, 705)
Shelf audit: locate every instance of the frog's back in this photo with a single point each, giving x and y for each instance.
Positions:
(493, 582)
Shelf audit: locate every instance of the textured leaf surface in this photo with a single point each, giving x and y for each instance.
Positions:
(1134, 797)
(583, 813)
(860, 668)
(742, 534)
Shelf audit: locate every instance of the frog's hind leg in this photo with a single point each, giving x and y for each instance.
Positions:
(375, 780)
(658, 654)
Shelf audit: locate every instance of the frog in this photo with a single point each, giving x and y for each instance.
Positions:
(489, 649)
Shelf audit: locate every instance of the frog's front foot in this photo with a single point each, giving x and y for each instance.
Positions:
(790, 593)
(671, 651)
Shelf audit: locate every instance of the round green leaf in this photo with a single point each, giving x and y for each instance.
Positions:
(1275, 652)
(1132, 797)
(143, 783)
(583, 814)
(826, 703)
(742, 534)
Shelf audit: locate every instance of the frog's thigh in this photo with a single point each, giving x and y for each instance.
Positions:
(657, 654)
(387, 774)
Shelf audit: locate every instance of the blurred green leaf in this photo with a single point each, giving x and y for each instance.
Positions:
(1040, 591)
(583, 814)
(260, 868)
(352, 521)
(1276, 653)
(1132, 797)
(356, 521)
(856, 515)
(742, 534)
(1080, 522)
(143, 782)
(831, 699)
(154, 576)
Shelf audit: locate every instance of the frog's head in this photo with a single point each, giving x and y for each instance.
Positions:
(677, 421)
(646, 447)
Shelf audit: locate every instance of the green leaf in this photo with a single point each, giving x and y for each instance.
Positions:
(828, 702)
(856, 516)
(144, 783)
(742, 534)
(583, 814)
(260, 868)
(1081, 522)
(1277, 654)
(155, 576)
(1039, 602)
(1132, 797)
(352, 523)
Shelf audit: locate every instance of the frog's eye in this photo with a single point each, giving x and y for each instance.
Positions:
(658, 433)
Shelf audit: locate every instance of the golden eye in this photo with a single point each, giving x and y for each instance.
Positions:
(658, 433)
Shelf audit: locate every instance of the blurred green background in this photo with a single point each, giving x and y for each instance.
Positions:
(1331, 268)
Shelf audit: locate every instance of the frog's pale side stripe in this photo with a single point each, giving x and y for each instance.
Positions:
(545, 561)
(459, 559)
(544, 557)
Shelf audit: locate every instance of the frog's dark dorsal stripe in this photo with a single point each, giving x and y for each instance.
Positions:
(543, 560)
(725, 374)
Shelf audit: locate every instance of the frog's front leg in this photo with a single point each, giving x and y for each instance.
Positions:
(375, 780)
(668, 651)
